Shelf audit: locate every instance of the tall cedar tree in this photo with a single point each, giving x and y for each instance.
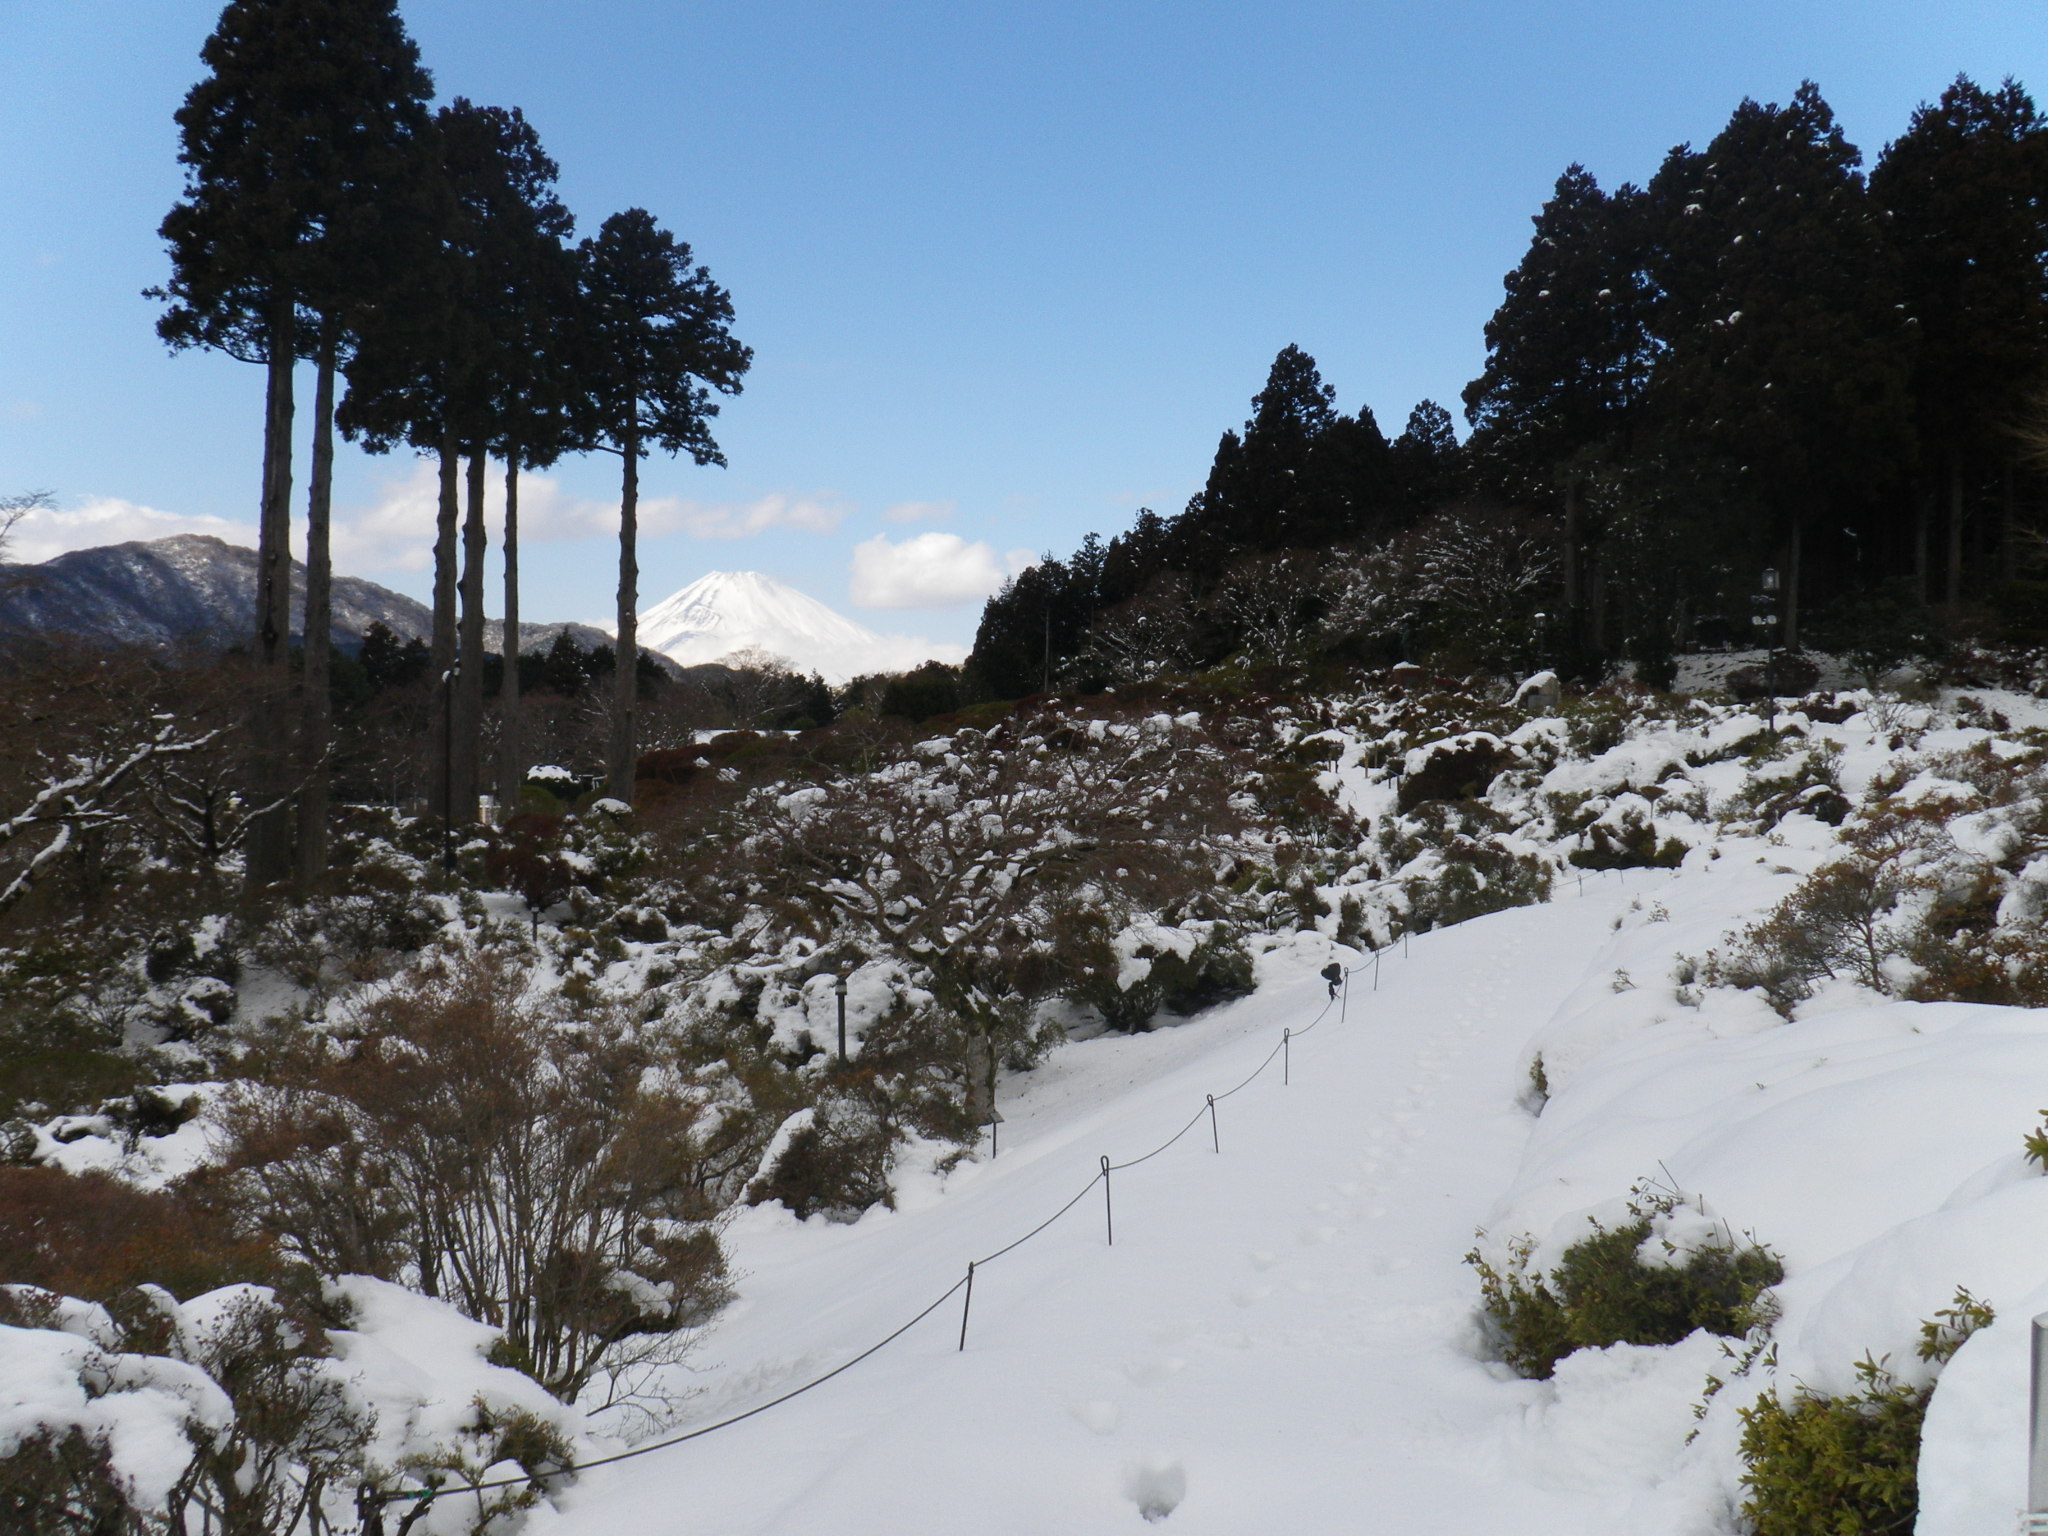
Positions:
(1299, 476)
(526, 282)
(407, 384)
(469, 359)
(519, 308)
(655, 345)
(295, 147)
(1786, 348)
(1567, 355)
(1426, 459)
(1964, 191)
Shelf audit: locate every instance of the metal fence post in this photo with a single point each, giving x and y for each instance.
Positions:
(2037, 1433)
(1286, 1057)
(1216, 1139)
(1108, 1216)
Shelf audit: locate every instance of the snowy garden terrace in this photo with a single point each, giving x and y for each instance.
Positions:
(1761, 979)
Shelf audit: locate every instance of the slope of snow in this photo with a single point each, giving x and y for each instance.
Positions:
(1282, 1337)
(728, 611)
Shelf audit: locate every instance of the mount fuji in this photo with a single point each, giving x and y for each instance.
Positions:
(728, 611)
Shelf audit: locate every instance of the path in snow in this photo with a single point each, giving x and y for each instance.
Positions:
(1280, 1339)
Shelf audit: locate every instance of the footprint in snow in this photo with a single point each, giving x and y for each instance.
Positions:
(1146, 1373)
(1099, 1415)
(1156, 1484)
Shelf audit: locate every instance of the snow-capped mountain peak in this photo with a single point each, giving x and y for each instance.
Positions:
(727, 611)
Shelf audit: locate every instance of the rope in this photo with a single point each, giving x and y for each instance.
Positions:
(1055, 1216)
(427, 1494)
(662, 1445)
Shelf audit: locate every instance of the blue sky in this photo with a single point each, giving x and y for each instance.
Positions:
(1007, 269)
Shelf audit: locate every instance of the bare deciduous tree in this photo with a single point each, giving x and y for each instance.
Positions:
(477, 1144)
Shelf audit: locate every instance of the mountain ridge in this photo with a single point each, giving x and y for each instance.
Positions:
(194, 588)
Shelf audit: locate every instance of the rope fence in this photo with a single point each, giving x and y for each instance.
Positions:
(371, 1502)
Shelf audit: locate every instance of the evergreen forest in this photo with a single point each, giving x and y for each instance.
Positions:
(1770, 358)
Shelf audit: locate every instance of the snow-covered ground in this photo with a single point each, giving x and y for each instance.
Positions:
(1283, 1336)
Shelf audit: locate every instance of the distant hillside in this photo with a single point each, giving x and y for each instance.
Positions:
(194, 588)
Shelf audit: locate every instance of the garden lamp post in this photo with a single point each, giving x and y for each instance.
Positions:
(1766, 616)
(839, 991)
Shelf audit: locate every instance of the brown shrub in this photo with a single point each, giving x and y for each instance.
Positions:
(92, 1236)
(472, 1142)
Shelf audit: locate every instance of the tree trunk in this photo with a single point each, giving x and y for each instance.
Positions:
(1570, 551)
(269, 834)
(1596, 607)
(442, 650)
(1794, 550)
(1922, 518)
(316, 725)
(626, 668)
(469, 683)
(2008, 526)
(1953, 593)
(511, 769)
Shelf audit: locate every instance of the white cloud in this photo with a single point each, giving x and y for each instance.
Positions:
(397, 531)
(929, 570)
(723, 520)
(48, 532)
(919, 511)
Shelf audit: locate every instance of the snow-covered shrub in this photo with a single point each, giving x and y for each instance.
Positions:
(1936, 894)
(460, 1135)
(1147, 968)
(1847, 1465)
(1663, 1274)
(296, 1430)
(63, 1482)
(1460, 861)
(832, 1158)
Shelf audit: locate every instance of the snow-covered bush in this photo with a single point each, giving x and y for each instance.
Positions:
(1935, 895)
(1847, 1465)
(460, 1135)
(1661, 1275)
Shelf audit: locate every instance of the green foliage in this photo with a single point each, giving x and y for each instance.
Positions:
(1834, 1466)
(1602, 1292)
(933, 689)
(1845, 1466)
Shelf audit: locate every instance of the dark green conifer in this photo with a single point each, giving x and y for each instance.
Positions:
(296, 148)
(655, 344)
(1785, 346)
(1965, 189)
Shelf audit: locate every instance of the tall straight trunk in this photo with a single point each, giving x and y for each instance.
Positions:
(511, 770)
(626, 668)
(442, 650)
(2008, 525)
(469, 681)
(1570, 554)
(1792, 561)
(1922, 518)
(316, 721)
(270, 835)
(1596, 606)
(1953, 592)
